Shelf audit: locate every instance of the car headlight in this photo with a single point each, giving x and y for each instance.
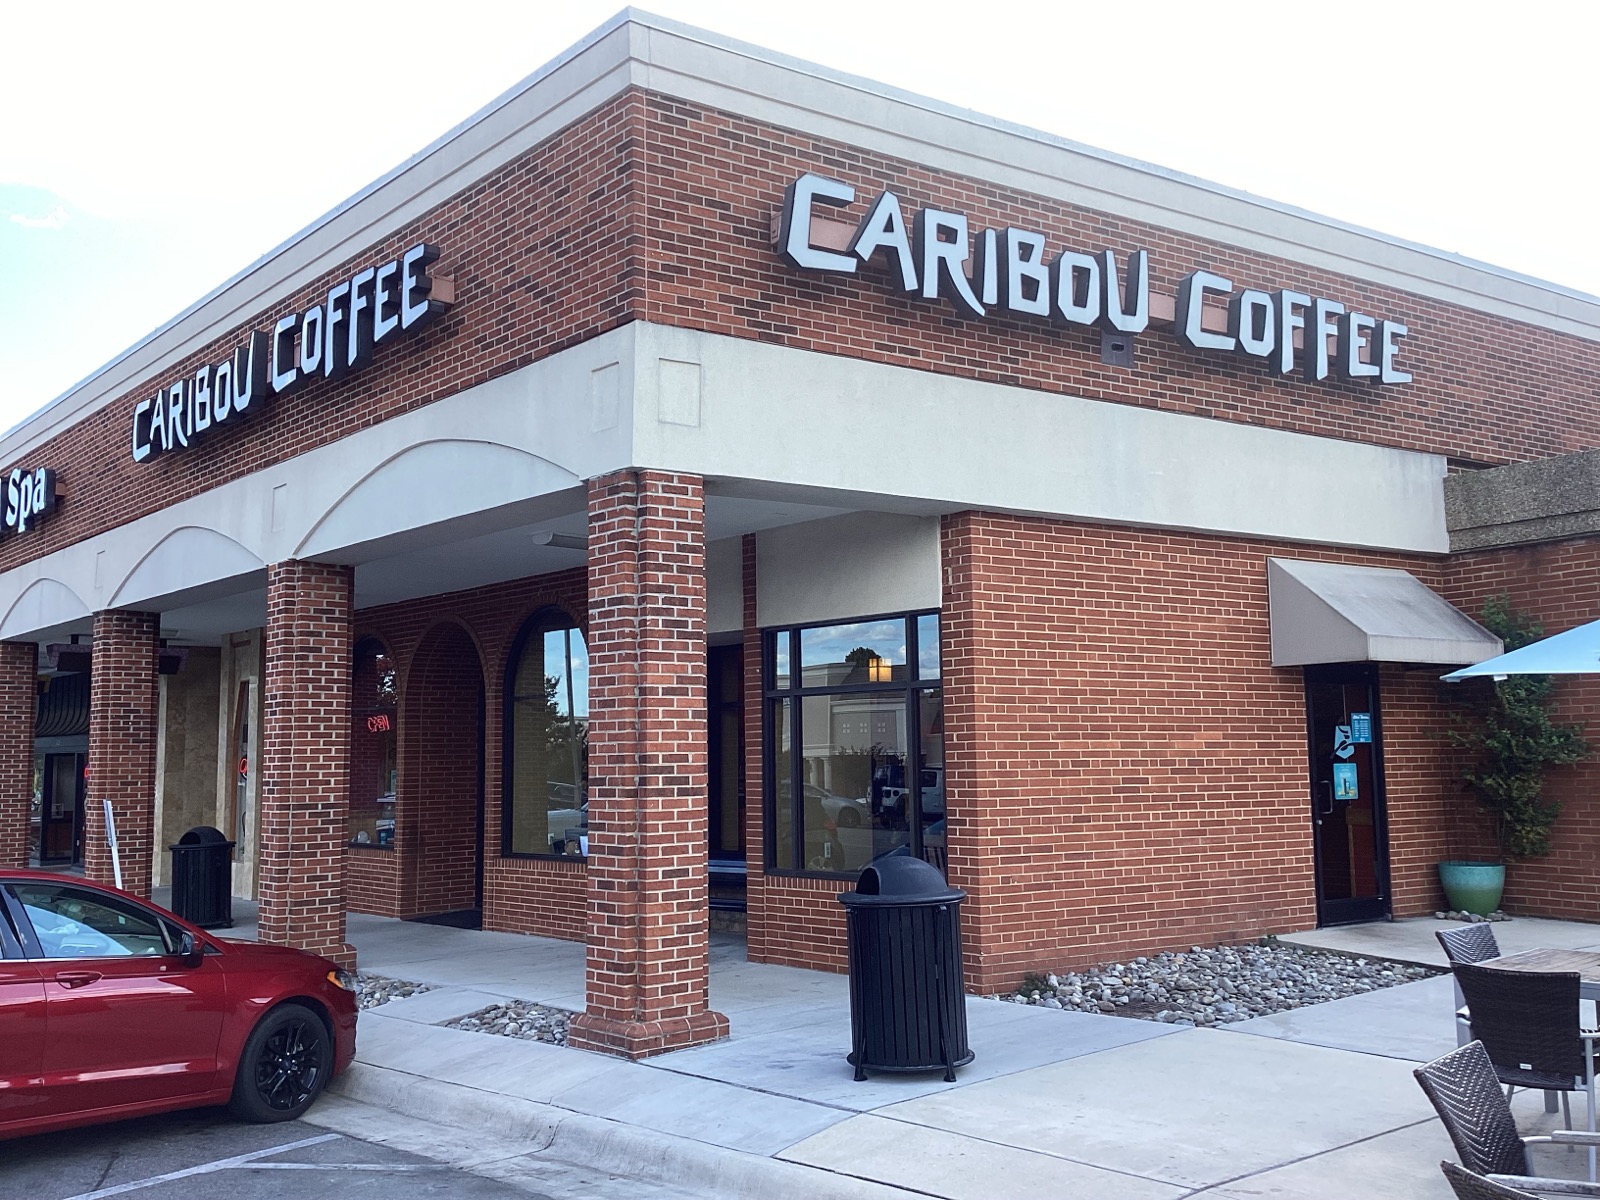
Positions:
(340, 978)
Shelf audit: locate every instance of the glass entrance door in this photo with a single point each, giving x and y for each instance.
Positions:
(61, 817)
(1347, 808)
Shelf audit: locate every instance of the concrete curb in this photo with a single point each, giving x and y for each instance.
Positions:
(599, 1144)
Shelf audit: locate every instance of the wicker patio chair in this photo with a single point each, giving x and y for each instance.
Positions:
(1468, 944)
(1468, 1186)
(1531, 1024)
(1465, 1091)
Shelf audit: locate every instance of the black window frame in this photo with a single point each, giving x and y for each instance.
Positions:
(535, 622)
(913, 688)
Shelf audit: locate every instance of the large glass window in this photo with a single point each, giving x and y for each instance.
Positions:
(547, 739)
(373, 743)
(855, 731)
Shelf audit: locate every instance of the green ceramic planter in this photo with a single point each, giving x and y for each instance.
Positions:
(1473, 887)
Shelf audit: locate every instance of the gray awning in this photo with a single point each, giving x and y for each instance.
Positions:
(1326, 612)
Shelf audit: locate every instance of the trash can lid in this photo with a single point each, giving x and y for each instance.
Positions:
(897, 878)
(203, 835)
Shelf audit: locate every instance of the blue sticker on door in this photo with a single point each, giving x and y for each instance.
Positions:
(1344, 782)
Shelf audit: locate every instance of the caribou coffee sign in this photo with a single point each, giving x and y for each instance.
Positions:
(325, 341)
(1013, 271)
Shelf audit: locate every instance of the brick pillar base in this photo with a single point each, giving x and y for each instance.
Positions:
(305, 759)
(648, 971)
(124, 706)
(19, 703)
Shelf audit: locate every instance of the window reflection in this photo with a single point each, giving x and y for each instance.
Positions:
(862, 652)
(782, 772)
(864, 757)
(928, 646)
(547, 748)
(853, 775)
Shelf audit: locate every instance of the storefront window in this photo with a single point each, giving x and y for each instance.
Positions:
(373, 743)
(547, 739)
(856, 733)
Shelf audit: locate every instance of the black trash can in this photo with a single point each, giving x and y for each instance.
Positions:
(202, 878)
(907, 1008)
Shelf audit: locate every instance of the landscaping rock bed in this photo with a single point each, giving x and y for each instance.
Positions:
(1216, 986)
(1471, 918)
(518, 1019)
(380, 989)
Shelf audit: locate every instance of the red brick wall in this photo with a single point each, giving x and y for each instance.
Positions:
(1126, 771)
(1417, 781)
(1559, 585)
(19, 703)
(647, 978)
(521, 895)
(436, 814)
(305, 757)
(125, 691)
(372, 882)
(652, 207)
(1486, 388)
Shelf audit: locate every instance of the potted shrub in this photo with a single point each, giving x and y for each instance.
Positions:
(1510, 740)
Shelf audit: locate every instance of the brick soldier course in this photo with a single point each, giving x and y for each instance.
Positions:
(601, 427)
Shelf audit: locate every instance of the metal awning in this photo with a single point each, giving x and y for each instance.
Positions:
(1326, 612)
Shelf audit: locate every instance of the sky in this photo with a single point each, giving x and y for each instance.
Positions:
(149, 152)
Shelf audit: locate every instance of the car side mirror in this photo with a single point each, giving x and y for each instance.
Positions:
(190, 950)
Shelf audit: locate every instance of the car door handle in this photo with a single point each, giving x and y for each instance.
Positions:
(76, 979)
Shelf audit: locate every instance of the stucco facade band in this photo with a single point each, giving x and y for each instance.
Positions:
(701, 472)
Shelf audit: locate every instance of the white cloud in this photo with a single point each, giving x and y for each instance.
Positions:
(54, 219)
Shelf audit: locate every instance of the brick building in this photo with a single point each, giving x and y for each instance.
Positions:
(701, 472)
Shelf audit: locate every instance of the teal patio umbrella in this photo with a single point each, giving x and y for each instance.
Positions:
(1575, 652)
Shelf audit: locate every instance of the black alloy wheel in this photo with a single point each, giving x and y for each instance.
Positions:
(284, 1067)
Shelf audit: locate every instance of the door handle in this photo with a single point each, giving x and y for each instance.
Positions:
(1326, 812)
(77, 979)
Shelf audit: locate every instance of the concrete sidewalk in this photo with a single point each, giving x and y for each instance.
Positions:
(1318, 1102)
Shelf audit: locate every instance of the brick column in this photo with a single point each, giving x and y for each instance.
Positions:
(305, 758)
(19, 704)
(648, 973)
(124, 705)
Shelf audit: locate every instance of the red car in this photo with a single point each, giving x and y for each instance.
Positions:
(111, 1007)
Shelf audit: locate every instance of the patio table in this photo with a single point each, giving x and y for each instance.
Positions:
(1586, 963)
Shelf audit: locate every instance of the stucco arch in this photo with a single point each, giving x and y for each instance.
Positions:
(188, 557)
(43, 603)
(428, 483)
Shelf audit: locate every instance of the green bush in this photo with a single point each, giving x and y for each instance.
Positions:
(1506, 730)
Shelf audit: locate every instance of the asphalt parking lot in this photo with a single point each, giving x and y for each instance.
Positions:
(205, 1154)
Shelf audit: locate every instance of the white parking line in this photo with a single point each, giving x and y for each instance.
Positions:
(261, 1166)
(221, 1164)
